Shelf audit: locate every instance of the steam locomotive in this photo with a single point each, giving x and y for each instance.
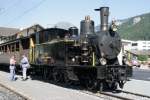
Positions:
(89, 58)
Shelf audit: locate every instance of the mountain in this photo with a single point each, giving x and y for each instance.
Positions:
(135, 28)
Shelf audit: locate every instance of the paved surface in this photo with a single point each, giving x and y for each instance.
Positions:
(141, 74)
(140, 82)
(37, 90)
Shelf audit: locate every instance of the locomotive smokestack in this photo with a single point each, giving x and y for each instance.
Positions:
(104, 13)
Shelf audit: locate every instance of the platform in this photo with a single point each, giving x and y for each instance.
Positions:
(140, 82)
(38, 90)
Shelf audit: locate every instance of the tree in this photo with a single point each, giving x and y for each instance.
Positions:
(142, 57)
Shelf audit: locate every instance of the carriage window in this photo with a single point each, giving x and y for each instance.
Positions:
(25, 43)
(13, 47)
(41, 36)
(50, 34)
(49, 37)
(5, 48)
(37, 38)
(46, 36)
(17, 46)
(2, 48)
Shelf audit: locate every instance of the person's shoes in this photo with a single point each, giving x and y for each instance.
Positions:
(24, 79)
(16, 78)
(12, 80)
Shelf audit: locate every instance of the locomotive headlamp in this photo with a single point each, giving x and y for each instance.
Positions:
(103, 61)
(73, 59)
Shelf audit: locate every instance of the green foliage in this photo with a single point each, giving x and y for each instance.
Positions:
(143, 57)
(137, 31)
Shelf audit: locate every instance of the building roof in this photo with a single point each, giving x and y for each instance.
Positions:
(127, 41)
(33, 27)
(30, 30)
(8, 31)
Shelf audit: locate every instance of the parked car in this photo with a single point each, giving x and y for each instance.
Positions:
(135, 62)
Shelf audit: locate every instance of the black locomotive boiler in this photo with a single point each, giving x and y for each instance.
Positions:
(89, 58)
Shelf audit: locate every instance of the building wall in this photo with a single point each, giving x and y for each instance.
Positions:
(143, 45)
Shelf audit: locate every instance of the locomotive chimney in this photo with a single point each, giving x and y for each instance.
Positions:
(104, 13)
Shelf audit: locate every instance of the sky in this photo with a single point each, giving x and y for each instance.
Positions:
(24, 13)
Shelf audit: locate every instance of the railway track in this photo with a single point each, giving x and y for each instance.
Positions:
(118, 95)
(10, 94)
(135, 95)
(126, 95)
(112, 95)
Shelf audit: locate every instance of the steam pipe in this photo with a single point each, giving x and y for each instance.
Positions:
(104, 13)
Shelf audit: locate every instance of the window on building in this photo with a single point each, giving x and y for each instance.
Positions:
(144, 42)
(134, 44)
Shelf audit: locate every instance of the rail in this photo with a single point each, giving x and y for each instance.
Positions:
(15, 92)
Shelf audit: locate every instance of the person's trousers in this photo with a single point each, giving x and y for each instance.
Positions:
(12, 74)
(24, 72)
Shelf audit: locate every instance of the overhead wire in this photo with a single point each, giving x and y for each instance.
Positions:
(1, 10)
(26, 11)
(4, 10)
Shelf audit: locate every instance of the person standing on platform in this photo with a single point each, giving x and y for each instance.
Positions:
(12, 68)
(25, 65)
